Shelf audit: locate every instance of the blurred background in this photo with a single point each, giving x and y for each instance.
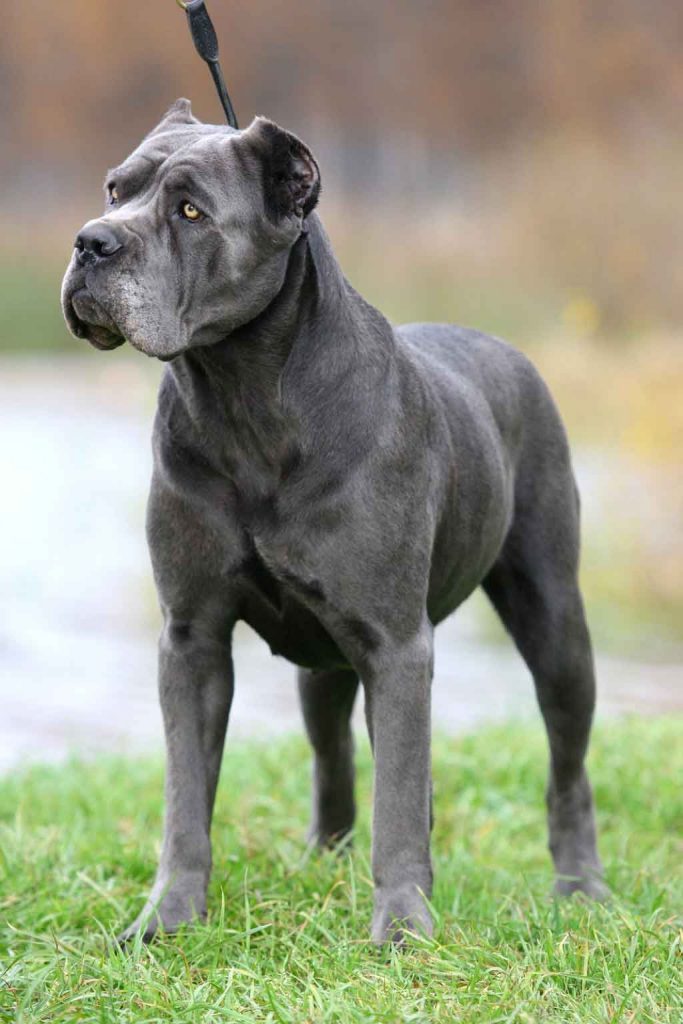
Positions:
(511, 166)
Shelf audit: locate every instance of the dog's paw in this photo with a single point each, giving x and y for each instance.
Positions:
(165, 914)
(143, 928)
(399, 912)
(587, 882)
(339, 841)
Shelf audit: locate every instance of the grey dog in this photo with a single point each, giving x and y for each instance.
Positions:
(339, 484)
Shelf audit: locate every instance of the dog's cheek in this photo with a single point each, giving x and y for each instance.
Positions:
(148, 318)
(130, 308)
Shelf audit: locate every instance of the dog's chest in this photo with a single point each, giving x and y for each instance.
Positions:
(278, 595)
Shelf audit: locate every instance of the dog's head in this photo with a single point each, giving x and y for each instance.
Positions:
(195, 238)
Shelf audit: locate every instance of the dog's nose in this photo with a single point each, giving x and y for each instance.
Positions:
(96, 241)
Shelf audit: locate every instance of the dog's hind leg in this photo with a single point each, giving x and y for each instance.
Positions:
(327, 700)
(534, 588)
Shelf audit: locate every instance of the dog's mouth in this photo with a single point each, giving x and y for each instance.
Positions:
(88, 319)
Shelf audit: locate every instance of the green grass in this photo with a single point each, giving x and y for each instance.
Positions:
(286, 938)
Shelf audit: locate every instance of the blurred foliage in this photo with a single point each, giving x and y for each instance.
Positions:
(30, 313)
(456, 74)
(622, 401)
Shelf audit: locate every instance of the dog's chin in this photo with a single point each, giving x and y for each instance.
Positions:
(151, 353)
(89, 320)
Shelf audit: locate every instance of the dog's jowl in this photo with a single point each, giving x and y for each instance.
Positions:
(339, 484)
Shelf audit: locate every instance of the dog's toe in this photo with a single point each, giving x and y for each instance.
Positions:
(588, 884)
(145, 932)
(398, 914)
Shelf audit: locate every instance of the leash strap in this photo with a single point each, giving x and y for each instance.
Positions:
(206, 43)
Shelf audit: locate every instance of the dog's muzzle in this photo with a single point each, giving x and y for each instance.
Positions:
(95, 245)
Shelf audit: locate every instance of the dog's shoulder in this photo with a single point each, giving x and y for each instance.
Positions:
(466, 365)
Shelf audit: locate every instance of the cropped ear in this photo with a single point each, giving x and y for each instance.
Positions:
(291, 176)
(179, 113)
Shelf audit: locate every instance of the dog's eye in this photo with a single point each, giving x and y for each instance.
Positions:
(112, 194)
(190, 212)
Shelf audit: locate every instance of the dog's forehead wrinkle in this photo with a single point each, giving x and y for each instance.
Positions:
(132, 173)
(192, 154)
(155, 150)
(210, 168)
(176, 137)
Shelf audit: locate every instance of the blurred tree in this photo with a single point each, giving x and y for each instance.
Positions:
(567, 112)
(459, 73)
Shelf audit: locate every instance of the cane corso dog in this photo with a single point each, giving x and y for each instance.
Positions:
(339, 484)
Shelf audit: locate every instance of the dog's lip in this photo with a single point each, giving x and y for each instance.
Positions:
(101, 344)
(100, 337)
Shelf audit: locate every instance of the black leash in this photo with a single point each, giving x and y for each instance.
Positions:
(206, 44)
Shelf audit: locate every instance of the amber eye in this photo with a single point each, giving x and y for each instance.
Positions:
(113, 194)
(190, 212)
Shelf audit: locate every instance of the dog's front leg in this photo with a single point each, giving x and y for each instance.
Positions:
(195, 689)
(398, 685)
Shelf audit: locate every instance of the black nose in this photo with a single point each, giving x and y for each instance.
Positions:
(96, 242)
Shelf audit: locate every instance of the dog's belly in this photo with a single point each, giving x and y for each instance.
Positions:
(472, 530)
(453, 580)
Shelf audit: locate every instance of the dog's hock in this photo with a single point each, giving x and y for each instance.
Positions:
(292, 175)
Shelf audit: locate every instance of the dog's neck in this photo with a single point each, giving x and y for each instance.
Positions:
(260, 389)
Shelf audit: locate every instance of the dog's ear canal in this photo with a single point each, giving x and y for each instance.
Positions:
(291, 177)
